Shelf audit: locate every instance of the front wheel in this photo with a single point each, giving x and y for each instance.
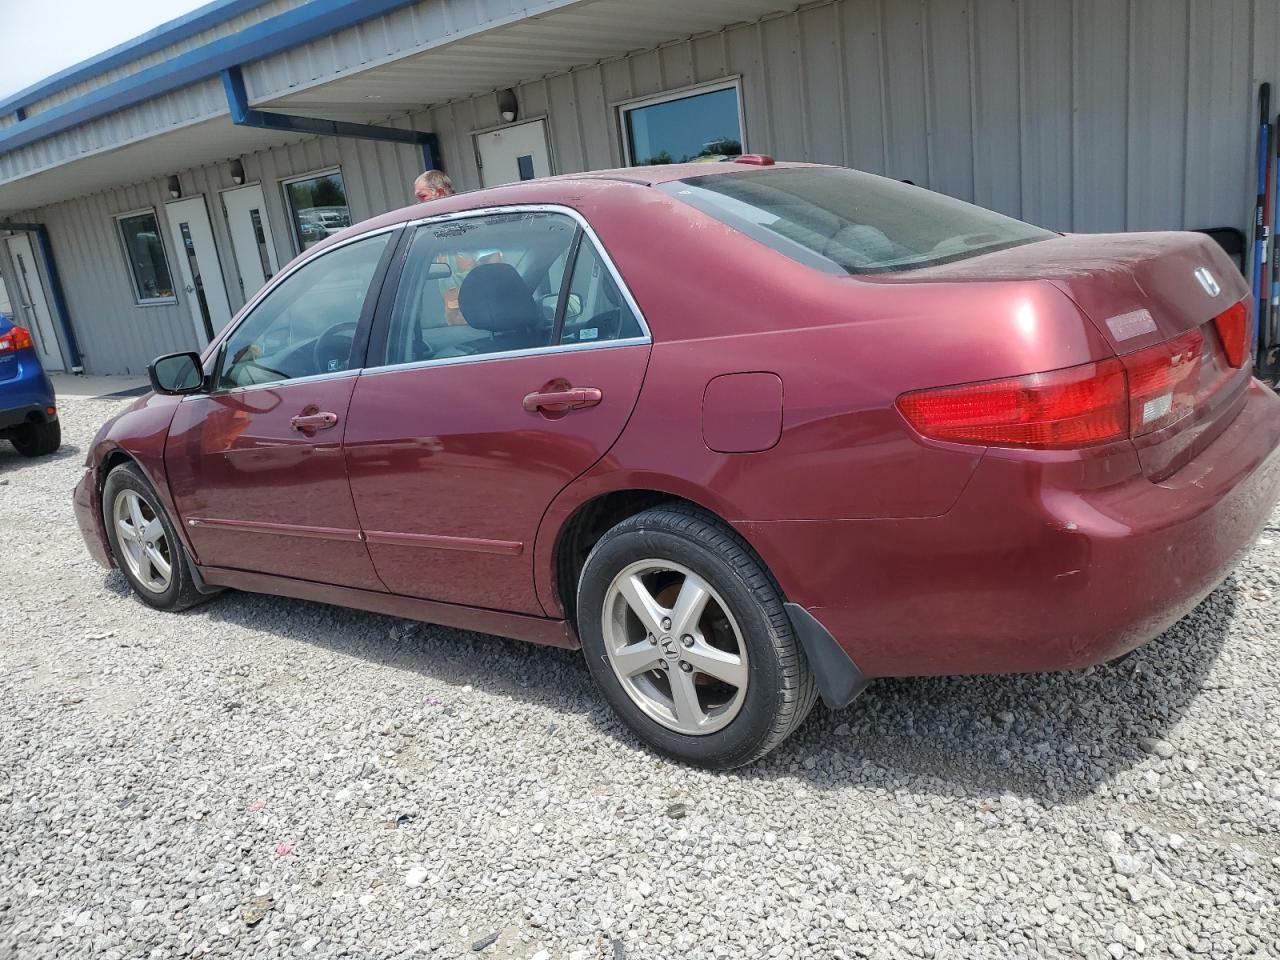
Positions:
(685, 632)
(144, 543)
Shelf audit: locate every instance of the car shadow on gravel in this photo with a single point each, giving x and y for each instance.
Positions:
(1052, 737)
(13, 463)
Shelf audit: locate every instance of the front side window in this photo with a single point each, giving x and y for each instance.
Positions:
(480, 285)
(844, 221)
(317, 208)
(144, 252)
(307, 324)
(699, 126)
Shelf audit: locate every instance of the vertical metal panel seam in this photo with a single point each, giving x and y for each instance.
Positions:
(806, 141)
(974, 127)
(724, 53)
(886, 125)
(927, 71)
(842, 89)
(583, 163)
(761, 58)
(1022, 96)
(1130, 44)
(1187, 117)
(1075, 117)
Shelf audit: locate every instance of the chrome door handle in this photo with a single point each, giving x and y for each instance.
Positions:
(309, 423)
(560, 401)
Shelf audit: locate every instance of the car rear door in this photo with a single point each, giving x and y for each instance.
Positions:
(505, 366)
(256, 466)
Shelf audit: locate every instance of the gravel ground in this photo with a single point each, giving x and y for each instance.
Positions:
(262, 777)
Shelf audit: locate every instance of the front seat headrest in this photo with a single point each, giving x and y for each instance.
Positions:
(494, 297)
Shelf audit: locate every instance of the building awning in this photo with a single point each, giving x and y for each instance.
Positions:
(403, 60)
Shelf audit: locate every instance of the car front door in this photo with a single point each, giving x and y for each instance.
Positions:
(505, 366)
(256, 466)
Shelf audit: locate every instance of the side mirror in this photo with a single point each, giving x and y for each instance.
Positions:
(176, 373)
(573, 307)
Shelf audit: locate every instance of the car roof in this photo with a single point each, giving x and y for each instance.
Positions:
(565, 188)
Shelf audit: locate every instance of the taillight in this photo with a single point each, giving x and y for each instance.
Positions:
(16, 338)
(1093, 403)
(1163, 382)
(1232, 325)
(1076, 407)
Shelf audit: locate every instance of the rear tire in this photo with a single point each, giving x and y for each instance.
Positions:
(717, 685)
(37, 439)
(144, 543)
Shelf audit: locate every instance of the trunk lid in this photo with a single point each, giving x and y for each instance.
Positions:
(1141, 291)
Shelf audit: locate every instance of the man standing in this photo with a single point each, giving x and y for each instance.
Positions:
(432, 185)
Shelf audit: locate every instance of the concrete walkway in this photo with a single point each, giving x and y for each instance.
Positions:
(94, 388)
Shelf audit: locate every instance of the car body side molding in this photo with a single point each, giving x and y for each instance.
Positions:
(512, 548)
(279, 529)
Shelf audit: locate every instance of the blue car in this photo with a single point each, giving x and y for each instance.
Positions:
(28, 413)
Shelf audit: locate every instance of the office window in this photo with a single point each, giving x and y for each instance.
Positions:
(699, 125)
(317, 207)
(144, 252)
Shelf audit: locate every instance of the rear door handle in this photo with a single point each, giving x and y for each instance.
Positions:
(309, 423)
(561, 401)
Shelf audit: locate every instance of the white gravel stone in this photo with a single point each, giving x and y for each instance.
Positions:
(153, 763)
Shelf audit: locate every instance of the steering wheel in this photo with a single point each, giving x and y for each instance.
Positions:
(332, 349)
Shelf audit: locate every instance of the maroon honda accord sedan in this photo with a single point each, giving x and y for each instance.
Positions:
(747, 433)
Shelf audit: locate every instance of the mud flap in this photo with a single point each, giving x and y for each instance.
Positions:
(839, 679)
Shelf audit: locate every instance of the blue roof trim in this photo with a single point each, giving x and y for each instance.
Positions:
(312, 20)
(167, 34)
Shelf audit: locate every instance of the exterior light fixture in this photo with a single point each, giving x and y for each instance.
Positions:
(237, 172)
(508, 106)
(175, 188)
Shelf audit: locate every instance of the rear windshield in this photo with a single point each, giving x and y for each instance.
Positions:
(843, 221)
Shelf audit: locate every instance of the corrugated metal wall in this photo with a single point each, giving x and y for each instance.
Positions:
(1083, 115)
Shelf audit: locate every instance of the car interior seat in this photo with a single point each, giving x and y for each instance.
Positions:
(495, 298)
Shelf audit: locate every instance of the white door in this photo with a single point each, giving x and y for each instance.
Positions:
(32, 305)
(251, 242)
(198, 264)
(518, 152)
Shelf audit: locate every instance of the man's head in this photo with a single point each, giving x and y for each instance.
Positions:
(432, 185)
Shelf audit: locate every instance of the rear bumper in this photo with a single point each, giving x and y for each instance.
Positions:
(26, 392)
(88, 510)
(1028, 573)
(27, 413)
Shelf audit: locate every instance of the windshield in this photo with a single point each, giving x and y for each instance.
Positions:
(844, 221)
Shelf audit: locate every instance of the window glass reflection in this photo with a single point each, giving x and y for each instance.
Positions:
(317, 207)
(702, 126)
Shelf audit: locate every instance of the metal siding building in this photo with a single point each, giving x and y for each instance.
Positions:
(1079, 115)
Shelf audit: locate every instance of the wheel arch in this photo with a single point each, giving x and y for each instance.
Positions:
(580, 525)
(109, 458)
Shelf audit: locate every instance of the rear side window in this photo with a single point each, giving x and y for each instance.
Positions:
(844, 221)
(495, 284)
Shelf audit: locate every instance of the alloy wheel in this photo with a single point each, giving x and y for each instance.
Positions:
(142, 540)
(675, 647)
